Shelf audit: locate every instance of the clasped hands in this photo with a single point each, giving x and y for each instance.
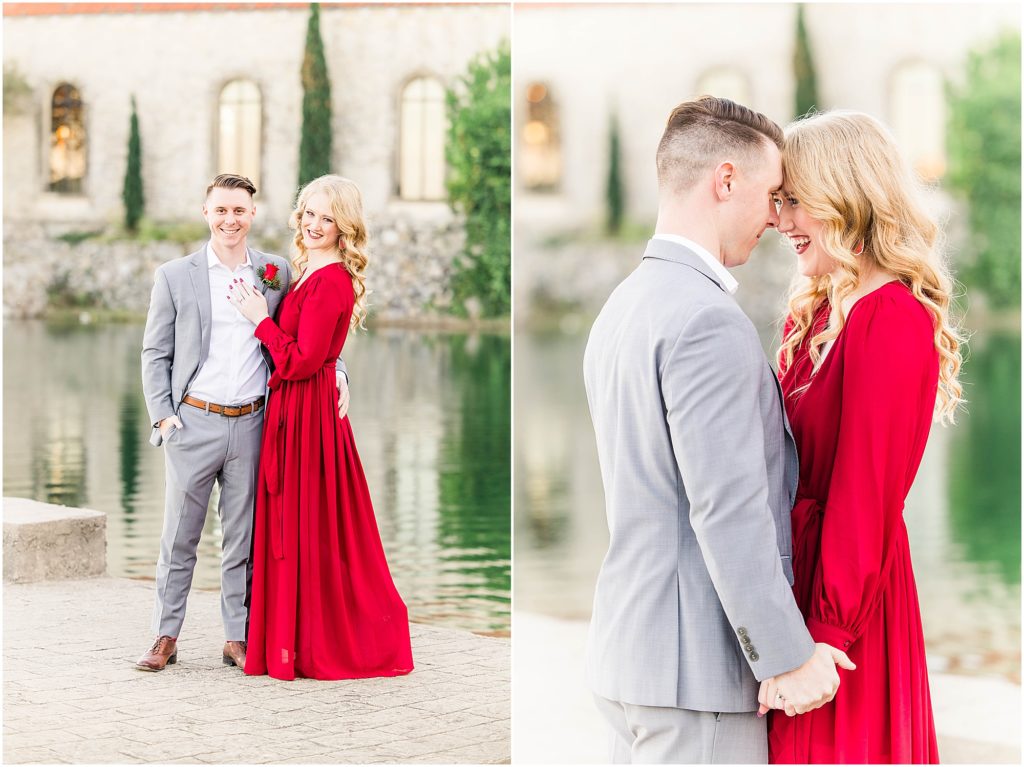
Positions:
(806, 688)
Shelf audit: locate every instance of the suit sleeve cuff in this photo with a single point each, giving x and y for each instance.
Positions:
(830, 635)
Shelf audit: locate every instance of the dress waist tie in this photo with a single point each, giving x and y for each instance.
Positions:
(274, 469)
(806, 520)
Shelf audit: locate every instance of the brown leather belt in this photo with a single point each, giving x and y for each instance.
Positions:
(231, 411)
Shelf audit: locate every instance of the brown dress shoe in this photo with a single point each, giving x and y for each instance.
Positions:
(234, 654)
(163, 652)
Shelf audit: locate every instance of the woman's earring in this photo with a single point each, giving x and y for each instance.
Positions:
(341, 244)
(859, 249)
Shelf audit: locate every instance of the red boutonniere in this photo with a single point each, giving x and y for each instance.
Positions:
(268, 276)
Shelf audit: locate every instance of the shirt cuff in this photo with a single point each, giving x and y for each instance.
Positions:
(830, 635)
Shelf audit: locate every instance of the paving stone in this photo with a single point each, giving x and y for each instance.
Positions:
(31, 756)
(210, 713)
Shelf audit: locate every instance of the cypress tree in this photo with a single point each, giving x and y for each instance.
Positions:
(803, 68)
(614, 193)
(315, 146)
(134, 200)
(479, 157)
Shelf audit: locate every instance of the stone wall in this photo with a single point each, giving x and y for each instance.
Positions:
(570, 274)
(411, 262)
(175, 64)
(570, 282)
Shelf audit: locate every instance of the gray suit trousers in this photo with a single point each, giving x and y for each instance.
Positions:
(210, 447)
(657, 735)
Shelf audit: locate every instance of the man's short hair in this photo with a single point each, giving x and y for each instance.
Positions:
(232, 181)
(702, 133)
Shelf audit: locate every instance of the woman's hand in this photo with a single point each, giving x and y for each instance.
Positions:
(250, 302)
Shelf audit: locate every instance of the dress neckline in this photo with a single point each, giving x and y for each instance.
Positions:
(302, 281)
(835, 341)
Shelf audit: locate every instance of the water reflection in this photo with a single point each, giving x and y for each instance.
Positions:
(984, 470)
(430, 413)
(963, 513)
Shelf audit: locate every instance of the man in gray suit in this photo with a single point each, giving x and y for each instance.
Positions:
(694, 616)
(204, 376)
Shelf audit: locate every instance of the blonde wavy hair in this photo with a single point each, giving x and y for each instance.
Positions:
(844, 169)
(346, 203)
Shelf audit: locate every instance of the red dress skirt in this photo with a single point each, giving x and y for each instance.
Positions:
(323, 605)
(861, 423)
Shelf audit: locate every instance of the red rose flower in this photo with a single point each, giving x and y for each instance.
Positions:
(270, 272)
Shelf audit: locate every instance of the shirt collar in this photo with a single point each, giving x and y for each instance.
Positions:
(728, 281)
(212, 261)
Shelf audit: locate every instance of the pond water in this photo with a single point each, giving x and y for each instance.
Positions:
(431, 418)
(963, 513)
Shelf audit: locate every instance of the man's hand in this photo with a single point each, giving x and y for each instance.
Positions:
(165, 425)
(343, 395)
(809, 687)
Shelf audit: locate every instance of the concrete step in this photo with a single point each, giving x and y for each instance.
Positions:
(43, 541)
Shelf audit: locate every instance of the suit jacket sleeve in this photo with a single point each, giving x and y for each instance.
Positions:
(158, 350)
(711, 381)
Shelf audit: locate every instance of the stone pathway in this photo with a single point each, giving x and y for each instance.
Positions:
(977, 719)
(71, 693)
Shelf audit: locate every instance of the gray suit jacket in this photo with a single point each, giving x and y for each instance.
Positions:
(176, 341)
(693, 605)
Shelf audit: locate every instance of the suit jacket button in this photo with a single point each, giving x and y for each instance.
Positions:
(754, 657)
(741, 631)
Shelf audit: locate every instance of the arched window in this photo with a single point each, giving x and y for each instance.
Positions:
(541, 158)
(67, 140)
(421, 141)
(917, 109)
(724, 83)
(240, 134)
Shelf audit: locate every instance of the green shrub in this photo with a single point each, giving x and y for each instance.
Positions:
(182, 232)
(479, 156)
(73, 238)
(17, 91)
(984, 159)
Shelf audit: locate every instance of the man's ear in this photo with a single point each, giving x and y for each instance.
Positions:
(725, 173)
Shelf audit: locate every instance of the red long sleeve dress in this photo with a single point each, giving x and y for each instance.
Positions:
(861, 426)
(323, 605)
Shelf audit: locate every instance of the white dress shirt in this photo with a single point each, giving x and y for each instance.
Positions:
(234, 372)
(728, 281)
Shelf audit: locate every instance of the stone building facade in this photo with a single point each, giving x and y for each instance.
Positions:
(890, 60)
(576, 66)
(219, 85)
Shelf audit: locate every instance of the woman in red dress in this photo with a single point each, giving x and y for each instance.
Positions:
(324, 605)
(869, 357)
